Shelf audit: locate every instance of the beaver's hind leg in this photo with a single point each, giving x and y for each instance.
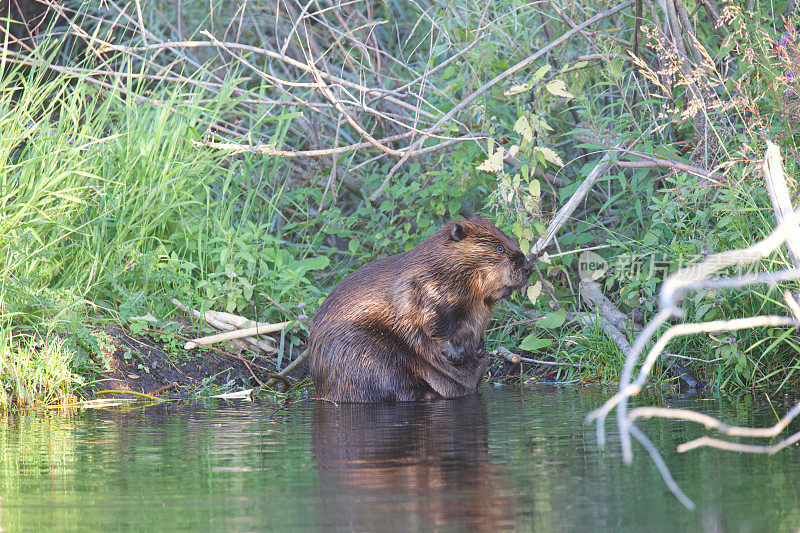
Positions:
(367, 369)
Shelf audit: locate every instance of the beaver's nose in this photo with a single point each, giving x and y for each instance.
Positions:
(527, 268)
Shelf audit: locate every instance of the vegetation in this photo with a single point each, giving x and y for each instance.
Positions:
(242, 155)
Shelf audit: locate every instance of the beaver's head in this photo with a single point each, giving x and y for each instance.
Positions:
(492, 261)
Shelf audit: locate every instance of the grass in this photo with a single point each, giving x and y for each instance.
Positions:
(36, 371)
(103, 202)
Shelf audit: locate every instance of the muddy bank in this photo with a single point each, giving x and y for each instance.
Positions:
(141, 364)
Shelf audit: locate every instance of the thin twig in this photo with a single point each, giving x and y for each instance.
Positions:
(282, 308)
(497, 79)
(269, 150)
(574, 201)
(164, 388)
(675, 165)
(370, 91)
(291, 366)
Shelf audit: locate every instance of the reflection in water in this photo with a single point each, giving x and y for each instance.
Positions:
(509, 458)
(408, 466)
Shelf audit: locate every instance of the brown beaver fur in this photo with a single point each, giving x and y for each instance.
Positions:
(410, 326)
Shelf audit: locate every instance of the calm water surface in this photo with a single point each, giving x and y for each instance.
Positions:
(504, 459)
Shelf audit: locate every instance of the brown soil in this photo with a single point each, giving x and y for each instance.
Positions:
(149, 367)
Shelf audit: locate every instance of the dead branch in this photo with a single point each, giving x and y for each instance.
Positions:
(369, 91)
(592, 294)
(577, 197)
(229, 324)
(674, 165)
(497, 79)
(781, 199)
(261, 329)
(698, 277)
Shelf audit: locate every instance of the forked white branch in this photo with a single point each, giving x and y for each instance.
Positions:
(699, 277)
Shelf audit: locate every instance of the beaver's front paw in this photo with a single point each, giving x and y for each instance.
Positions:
(454, 353)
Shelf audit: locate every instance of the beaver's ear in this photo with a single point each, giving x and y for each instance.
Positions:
(458, 232)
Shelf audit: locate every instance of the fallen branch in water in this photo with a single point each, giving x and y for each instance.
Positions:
(674, 288)
(128, 393)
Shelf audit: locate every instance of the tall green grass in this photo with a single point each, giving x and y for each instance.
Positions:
(98, 193)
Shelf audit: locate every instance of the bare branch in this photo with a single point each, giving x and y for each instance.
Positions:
(500, 77)
(698, 277)
(577, 197)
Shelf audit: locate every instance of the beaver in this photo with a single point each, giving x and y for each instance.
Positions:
(410, 326)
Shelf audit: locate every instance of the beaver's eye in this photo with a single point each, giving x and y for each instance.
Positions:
(501, 249)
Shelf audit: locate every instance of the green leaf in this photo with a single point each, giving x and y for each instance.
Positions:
(534, 291)
(725, 352)
(650, 239)
(553, 320)
(550, 155)
(517, 89)
(318, 262)
(523, 127)
(532, 343)
(558, 88)
(192, 133)
(702, 309)
(539, 124)
(535, 188)
(540, 72)
(494, 162)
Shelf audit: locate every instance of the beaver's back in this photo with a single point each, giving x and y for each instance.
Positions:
(363, 290)
(355, 352)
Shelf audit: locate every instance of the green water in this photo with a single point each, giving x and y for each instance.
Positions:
(504, 459)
